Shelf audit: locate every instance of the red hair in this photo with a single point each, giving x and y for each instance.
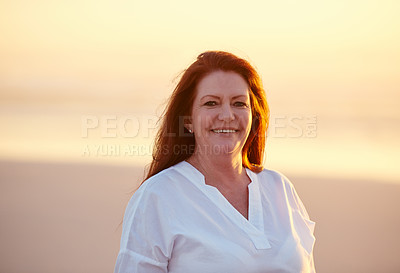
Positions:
(174, 144)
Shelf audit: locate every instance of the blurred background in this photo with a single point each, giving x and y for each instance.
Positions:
(83, 83)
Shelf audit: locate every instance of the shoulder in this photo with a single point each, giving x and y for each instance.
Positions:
(273, 178)
(157, 181)
(152, 199)
(277, 184)
(160, 188)
(158, 184)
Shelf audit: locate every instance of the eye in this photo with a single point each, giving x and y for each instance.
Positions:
(210, 103)
(240, 104)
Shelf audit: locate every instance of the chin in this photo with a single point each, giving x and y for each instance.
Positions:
(223, 149)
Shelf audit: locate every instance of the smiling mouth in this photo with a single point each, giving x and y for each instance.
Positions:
(224, 131)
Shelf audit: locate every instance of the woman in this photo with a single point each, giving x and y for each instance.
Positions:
(207, 204)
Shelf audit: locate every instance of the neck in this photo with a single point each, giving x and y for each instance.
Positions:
(227, 169)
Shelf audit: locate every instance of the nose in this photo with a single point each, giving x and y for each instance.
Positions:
(226, 113)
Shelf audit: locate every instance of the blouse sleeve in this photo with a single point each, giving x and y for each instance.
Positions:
(308, 236)
(304, 226)
(293, 198)
(145, 242)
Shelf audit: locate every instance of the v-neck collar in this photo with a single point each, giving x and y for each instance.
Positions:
(254, 226)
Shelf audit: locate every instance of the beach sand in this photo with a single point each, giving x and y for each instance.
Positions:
(60, 217)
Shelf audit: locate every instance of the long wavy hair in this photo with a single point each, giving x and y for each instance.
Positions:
(173, 143)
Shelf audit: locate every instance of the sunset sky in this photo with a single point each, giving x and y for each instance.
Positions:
(338, 61)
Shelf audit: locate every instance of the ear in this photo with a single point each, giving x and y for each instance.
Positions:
(187, 123)
(189, 127)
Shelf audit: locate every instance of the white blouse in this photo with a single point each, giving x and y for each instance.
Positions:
(176, 223)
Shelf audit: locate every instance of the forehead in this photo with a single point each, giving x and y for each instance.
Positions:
(222, 83)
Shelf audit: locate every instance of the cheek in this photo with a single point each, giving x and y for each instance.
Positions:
(246, 118)
(203, 119)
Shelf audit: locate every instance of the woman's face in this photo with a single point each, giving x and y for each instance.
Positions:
(221, 116)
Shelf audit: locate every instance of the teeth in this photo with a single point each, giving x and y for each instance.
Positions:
(224, 131)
